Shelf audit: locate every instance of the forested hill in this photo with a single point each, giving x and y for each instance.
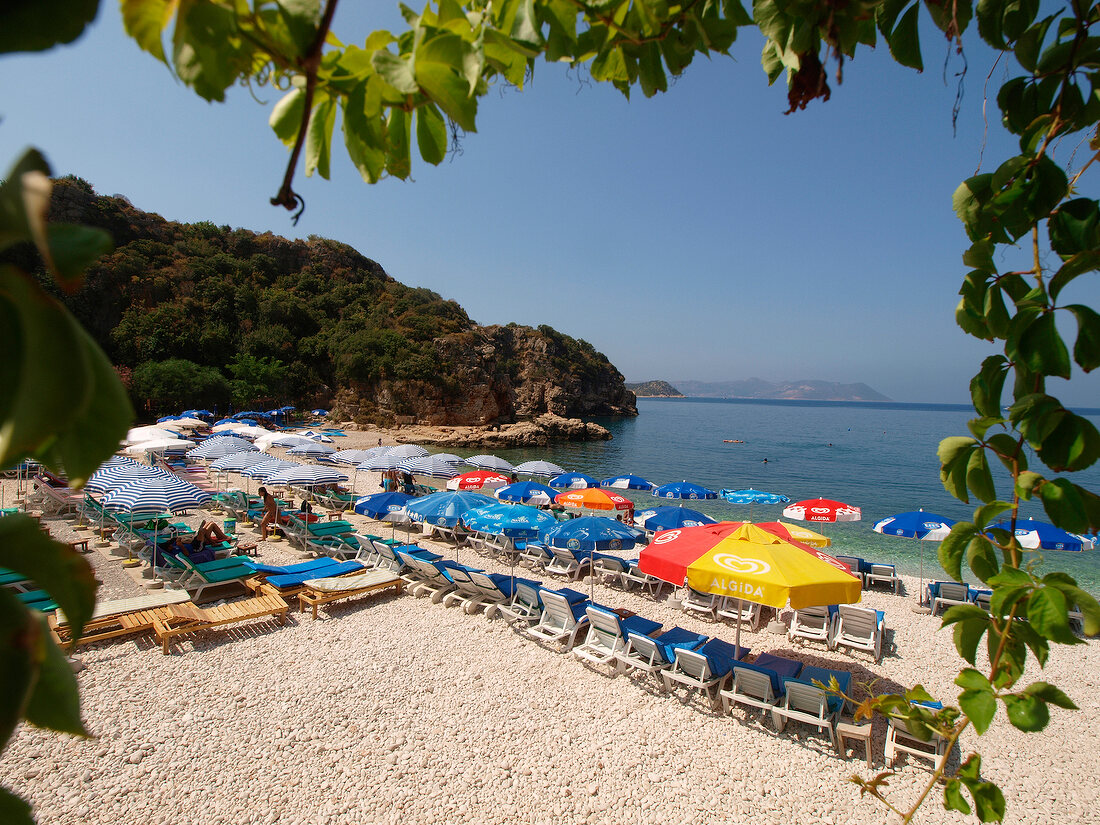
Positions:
(197, 314)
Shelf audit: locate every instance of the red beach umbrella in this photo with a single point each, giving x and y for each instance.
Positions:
(822, 509)
(479, 480)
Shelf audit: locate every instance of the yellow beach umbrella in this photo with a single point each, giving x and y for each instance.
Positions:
(795, 532)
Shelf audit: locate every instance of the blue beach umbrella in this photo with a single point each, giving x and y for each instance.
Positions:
(197, 414)
(684, 489)
(1038, 535)
(319, 412)
(513, 520)
(118, 475)
(916, 524)
(573, 481)
(751, 496)
(543, 469)
(671, 518)
(383, 506)
(592, 533)
(527, 492)
(628, 482)
(445, 508)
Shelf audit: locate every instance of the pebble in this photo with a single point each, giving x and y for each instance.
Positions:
(397, 710)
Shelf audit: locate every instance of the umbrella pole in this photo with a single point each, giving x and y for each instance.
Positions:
(737, 635)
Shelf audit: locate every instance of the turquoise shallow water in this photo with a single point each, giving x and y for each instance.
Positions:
(881, 458)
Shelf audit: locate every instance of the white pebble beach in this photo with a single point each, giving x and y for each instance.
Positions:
(393, 709)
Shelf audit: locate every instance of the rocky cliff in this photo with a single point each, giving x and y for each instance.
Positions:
(262, 319)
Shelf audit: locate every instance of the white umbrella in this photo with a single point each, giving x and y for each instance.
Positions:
(490, 462)
(407, 451)
(139, 434)
(188, 423)
(157, 445)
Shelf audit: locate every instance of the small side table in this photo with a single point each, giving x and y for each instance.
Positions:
(860, 733)
(80, 545)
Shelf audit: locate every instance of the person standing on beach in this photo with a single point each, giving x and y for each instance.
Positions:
(271, 512)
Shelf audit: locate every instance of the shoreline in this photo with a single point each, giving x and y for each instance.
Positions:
(399, 710)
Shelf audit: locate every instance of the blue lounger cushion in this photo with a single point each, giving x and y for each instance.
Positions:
(761, 665)
(295, 579)
(811, 674)
(639, 625)
(721, 656)
(572, 596)
(290, 569)
(419, 552)
(678, 637)
(504, 582)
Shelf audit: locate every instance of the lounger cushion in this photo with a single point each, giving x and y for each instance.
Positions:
(504, 582)
(289, 569)
(775, 668)
(640, 625)
(571, 596)
(334, 568)
(721, 656)
(678, 637)
(809, 674)
(419, 552)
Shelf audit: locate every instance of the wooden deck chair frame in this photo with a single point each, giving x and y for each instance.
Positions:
(181, 619)
(316, 597)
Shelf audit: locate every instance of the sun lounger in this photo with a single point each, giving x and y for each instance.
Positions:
(289, 585)
(750, 613)
(899, 739)
(117, 617)
(428, 578)
(466, 592)
(607, 634)
(197, 577)
(568, 563)
(56, 500)
(805, 702)
(15, 581)
(498, 589)
(563, 617)
(610, 569)
(812, 623)
(181, 619)
(855, 567)
(859, 628)
(948, 594)
(706, 669)
(705, 604)
(525, 605)
(883, 574)
(536, 555)
(648, 583)
(38, 600)
(759, 684)
(318, 592)
(653, 655)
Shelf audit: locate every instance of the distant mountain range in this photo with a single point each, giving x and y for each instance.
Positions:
(791, 390)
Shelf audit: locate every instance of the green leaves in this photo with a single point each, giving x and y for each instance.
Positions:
(36, 25)
(145, 21)
(977, 700)
(989, 802)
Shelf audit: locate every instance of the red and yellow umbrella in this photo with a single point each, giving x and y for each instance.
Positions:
(593, 498)
(792, 532)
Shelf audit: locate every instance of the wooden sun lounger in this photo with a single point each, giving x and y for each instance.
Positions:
(325, 591)
(180, 619)
(118, 617)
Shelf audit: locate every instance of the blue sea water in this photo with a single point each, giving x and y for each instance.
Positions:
(879, 457)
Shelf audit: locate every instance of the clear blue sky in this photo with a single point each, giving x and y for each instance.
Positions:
(701, 234)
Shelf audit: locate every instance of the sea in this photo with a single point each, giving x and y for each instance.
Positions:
(880, 457)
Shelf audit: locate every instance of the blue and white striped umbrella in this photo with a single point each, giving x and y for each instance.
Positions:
(221, 446)
(628, 482)
(592, 533)
(516, 521)
(238, 461)
(543, 469)
(1038, 535)
(435, 466)
(573, 481)
(916, 524)
(407, 451)
(445, 508)
(490, 462)
(351, 457)
(265, 469)
(313, 448)
(751, 496)
(156, 495)
(110, 478)
(684, 489)
(381, 461)
(306, 475)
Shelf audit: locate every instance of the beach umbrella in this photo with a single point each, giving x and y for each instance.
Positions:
(795, 532)
(544, 469)
(516, 521)
(164, 418)
(381, 461)
(313, 448)
(440, 465)
(139, 434)
(288, 440)
(219, 448)
(154, 496)
(388, 506)
(527, 492)
(237, 462)
(160, 445)
(407, 451)
(265, 469)
(480, 480)
(319, 412)
(1038, 535)
(593, 498)
(314, 435)
(752, 497)
(490, 462)
(198, 413)
(628, 482)
(573, 481)
(306, 475)
(916, 524)
(670, 517)
(750, 564)
(592, 534)
(188, 423)
(445, 508)
(684, 489)
(251, 431)
(352, 457)
(822, 509)
(117, 474)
